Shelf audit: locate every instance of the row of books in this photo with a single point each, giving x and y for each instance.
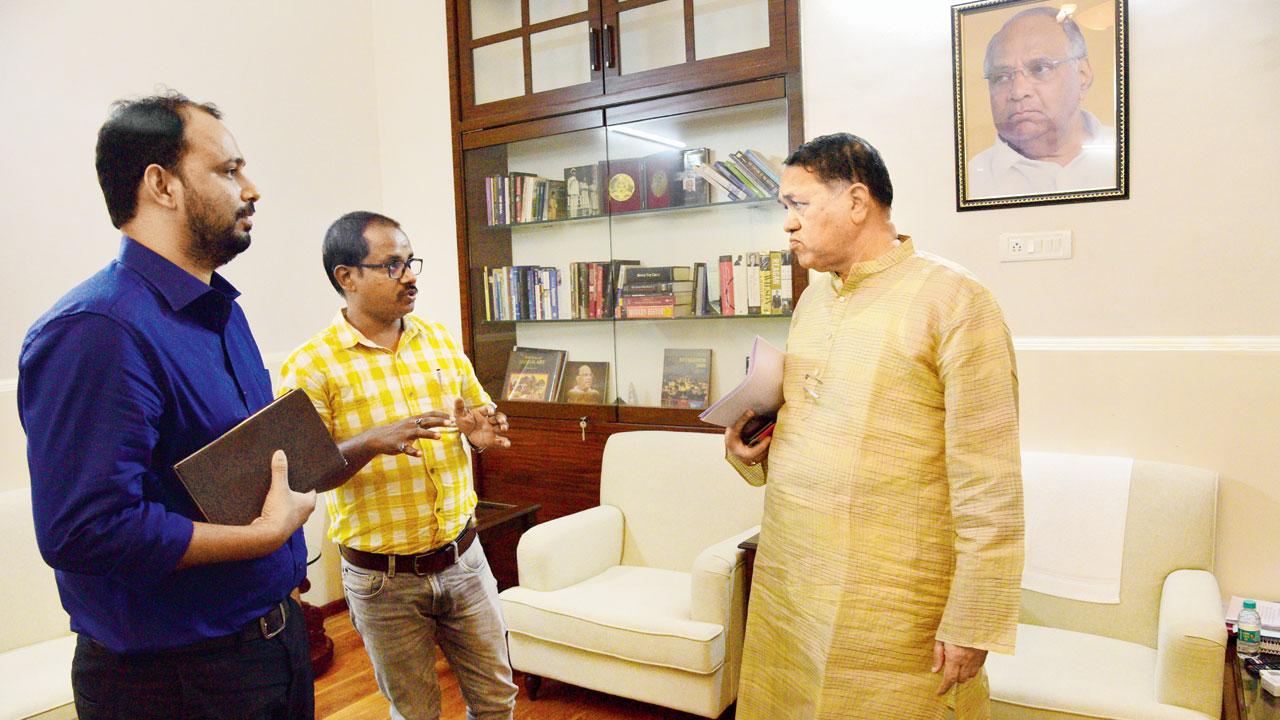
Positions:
(756, 283)
(749, 283)
(521, 292)
(673, 178)
(744, 175)
(664, 292)
(538, 375)
(523, 197)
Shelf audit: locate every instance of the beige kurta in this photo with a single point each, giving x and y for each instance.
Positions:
(893, 514)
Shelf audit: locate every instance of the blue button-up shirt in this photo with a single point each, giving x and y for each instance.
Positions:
(130, 372)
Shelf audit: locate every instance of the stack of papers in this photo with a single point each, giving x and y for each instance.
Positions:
(1269, 611)
(760, 391)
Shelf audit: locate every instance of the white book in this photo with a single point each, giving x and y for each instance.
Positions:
(716, 179)
(753, 282)
(739, 285)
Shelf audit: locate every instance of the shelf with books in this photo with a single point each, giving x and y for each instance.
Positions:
(566, 321)
(621, 229)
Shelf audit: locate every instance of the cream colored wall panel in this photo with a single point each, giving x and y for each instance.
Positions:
(1218, 410)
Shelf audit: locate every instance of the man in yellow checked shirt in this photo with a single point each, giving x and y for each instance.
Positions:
(399, 398)
(890, 552)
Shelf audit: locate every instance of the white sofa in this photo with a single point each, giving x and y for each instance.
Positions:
(1157, 654)
(36, 644)
(644, 595)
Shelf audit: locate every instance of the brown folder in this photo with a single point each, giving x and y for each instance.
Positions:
(228, 479)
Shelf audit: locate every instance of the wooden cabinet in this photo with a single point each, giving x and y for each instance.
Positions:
(518, 59)
(566, 173)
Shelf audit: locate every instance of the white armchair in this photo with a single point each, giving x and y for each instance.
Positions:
(36, 644)
(1158, 653)
(644, 596)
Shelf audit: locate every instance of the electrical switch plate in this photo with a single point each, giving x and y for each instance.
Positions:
(1022, 247)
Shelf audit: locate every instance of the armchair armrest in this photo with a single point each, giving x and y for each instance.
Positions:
(1190, 642)
(714, 579)
(570, 549)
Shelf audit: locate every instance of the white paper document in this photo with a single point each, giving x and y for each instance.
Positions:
(1268, 611)
(760, 391)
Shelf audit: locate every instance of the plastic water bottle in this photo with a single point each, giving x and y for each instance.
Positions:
(1248, 630)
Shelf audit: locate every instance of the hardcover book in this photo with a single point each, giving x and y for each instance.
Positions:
(533, 374)
(662, 172)
(582, 191)
(585, 383)
(637, 274)
(686, 378)
(228, 479)
(625, 188)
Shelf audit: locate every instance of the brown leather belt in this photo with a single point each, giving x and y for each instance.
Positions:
(442, 558)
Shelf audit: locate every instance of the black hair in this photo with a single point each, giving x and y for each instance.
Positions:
(345, 244)
(137, 134)
(847, 158)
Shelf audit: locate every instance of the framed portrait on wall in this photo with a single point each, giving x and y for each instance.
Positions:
(1041, 102)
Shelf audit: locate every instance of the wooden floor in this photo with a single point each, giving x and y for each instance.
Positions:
(348, 692)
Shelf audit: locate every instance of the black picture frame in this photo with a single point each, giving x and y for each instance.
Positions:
(1047, 106)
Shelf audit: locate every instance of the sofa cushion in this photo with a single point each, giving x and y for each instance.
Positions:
(634, 613)
(1079, 675)
(36, 678)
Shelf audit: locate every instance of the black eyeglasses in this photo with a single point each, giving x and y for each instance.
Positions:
(395, 268)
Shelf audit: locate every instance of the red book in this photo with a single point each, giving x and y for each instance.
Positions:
(726, 285)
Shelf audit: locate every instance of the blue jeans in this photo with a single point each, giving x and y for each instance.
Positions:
(398, 617)
(259, 679)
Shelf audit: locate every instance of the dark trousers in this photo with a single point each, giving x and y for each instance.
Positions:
(255, 679)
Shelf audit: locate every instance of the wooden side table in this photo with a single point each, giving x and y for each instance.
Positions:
(499, 527)
(750, 545)
(1242, 695)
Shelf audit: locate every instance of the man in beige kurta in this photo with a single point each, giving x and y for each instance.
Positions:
(891, 547)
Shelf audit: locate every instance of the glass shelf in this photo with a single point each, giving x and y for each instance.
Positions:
(758, 203)
(575, 265)
(563, 321)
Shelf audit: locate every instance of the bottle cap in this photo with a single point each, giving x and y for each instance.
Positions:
(1251, 604)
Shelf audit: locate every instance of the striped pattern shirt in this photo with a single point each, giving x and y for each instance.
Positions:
(397, 503)
(894, 510)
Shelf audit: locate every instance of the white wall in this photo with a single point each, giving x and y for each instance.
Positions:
(345, 105)
(1192, 257)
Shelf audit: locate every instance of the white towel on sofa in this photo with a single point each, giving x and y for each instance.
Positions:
(1076, 507)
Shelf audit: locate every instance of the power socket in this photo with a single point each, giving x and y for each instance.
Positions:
(1023, 247)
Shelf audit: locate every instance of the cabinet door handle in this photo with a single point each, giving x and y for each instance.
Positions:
(595, 50)
(610, 58)
(582, 423)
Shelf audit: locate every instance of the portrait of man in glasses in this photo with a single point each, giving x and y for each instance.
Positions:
(1038, 73)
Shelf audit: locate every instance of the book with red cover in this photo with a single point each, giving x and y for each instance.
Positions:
(228, 479)
(663, 174)
(625, 188)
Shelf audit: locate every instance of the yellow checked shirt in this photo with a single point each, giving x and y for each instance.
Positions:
(894, 507)
(397, 504)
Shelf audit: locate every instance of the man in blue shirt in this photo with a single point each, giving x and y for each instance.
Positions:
(134, 369)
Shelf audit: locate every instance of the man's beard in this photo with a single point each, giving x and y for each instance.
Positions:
(215, 242)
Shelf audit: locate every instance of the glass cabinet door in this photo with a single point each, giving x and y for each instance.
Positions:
(714, 270)
(654, 42)
(522, 58)
(534, 216)
(512, 61)
(621, 271)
